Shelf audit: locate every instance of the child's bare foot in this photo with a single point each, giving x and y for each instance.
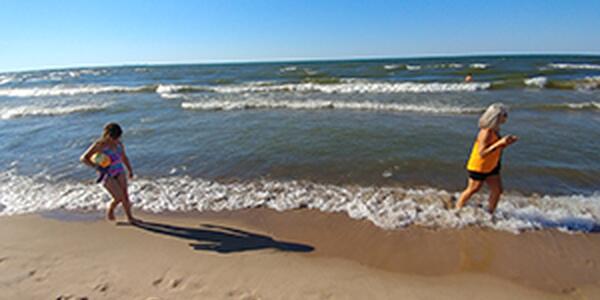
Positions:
(110, 215)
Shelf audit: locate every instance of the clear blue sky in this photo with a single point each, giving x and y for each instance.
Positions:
(41, 34)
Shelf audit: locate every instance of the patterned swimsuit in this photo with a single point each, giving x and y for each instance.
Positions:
(116, 163)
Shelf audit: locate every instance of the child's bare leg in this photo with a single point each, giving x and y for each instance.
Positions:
(495, 184)
(112, 186)
(472, 187)
(126, 204)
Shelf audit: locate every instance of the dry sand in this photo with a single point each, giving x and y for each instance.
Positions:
(301, 254)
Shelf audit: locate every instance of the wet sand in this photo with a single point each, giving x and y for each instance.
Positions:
(300, 254)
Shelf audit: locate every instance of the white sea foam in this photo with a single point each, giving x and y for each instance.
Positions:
(590, 83)
(4, 79)
(65, 74)
(539, 82)
(445, 66)
(173, 96)
(346, 87)
(33, 110)
(288, 69)
(413, 67)
(582, 105)
(478, 66)
(386, 207)
(574, 66)
(326, 104)
(392, 67)
(60, 90)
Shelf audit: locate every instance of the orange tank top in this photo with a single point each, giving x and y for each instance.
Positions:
(484, 164)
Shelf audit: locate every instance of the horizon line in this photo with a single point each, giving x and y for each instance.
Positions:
(293, 60)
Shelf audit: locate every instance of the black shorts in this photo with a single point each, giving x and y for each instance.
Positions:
(482, 176)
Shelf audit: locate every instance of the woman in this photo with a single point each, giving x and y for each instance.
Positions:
(484, 162)
(114, 181)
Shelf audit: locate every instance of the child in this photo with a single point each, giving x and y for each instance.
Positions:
(115, 181)
(484, 162)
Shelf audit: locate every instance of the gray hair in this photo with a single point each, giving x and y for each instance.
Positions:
(491, 117)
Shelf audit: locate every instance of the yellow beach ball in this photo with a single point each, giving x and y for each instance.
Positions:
(101, 159)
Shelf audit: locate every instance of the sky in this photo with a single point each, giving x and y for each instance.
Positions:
(36, 34)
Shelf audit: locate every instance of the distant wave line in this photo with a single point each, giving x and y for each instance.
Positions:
(32, 110)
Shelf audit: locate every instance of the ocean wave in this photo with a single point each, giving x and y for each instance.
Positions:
(539, 82)
(386, 207)
(572, 106)
(446, 66)
(415, 67)
(574, 66)
(175, 88)
(478, 66)
(32, 110)
(345, 87)
(65, 74)
(323, 104)
(4, 79)
(393, 67)
(288, 69)
(61, 90)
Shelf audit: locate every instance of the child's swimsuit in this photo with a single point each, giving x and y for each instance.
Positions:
(116, 163)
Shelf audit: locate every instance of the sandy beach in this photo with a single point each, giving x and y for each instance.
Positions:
(301, 254)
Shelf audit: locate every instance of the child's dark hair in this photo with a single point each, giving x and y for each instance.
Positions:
(112, 130)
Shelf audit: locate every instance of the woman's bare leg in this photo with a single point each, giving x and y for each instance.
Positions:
(495, 184)
(472, 187)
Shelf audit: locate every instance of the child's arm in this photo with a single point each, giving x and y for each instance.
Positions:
(126, 161)
(86, 156)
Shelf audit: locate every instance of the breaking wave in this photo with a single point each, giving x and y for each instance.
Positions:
(574, 66)
(32, 110)
(573, 106)
(386, 207)
(323, 104)
(347, 87)
(538, 82)
(60, 90)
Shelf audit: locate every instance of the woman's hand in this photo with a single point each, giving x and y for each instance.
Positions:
(508, 140)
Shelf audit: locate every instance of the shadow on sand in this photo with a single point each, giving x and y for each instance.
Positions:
(222, 239)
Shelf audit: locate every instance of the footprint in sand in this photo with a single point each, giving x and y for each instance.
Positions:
(172, 284)
(590, 263)
(71, 297)
(242, 295)
(102, 287)
(157, 282)
(175, 283)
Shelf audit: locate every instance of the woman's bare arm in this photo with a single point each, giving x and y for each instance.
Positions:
(487, 146)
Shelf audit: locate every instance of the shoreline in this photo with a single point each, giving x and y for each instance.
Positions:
(328, 251)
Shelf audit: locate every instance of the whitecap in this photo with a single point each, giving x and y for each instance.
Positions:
(33, 110)
(327, 104)
(60, 90)
(478, 66)
(346, 87)
(539, 82)
(574, 66)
